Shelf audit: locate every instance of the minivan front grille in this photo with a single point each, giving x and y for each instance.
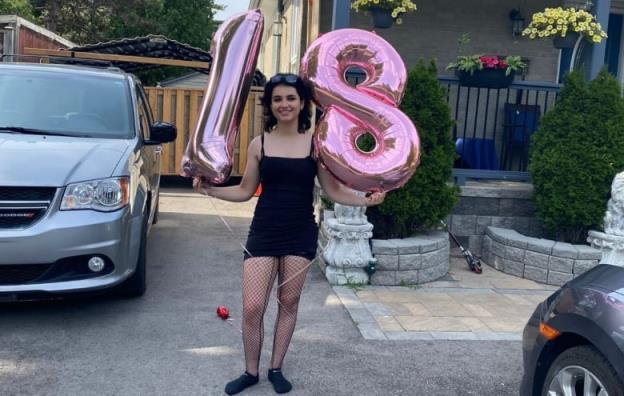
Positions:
(20, 207)
(18, 274)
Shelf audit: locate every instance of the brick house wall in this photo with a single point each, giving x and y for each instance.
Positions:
(433, 30)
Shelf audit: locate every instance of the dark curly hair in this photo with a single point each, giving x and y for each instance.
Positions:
(304, 92)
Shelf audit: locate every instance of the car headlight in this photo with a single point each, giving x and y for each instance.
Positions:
(104, 195)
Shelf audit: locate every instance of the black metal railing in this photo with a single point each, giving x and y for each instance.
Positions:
(493, 127)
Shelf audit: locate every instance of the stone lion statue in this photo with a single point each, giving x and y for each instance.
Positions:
(614, 219)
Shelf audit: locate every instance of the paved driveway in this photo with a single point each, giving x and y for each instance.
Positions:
(171, 343)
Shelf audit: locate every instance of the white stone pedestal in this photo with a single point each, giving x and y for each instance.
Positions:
(612, 247)
(347, 252)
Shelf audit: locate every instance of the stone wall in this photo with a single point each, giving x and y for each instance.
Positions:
(541, 260)
(495, 203)
(409, 261)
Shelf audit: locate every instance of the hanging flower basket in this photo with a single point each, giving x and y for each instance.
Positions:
(485, 78)
(567, 41)
(553, 22)
(382, 18)
(384, 13)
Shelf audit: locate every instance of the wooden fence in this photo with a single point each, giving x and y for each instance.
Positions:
(180, 107)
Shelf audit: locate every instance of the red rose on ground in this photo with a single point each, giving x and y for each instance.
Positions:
(223, 312)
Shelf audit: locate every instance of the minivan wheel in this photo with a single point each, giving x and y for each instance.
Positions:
(582, 370)
(136, 284)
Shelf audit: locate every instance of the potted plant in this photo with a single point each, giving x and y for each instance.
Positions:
(564, 26)
(384, 12)
(486, 71)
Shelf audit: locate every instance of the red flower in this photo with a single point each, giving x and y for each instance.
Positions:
(493, 62)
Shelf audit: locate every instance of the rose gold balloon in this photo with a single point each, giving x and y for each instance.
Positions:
(234, 49)
(349, 112)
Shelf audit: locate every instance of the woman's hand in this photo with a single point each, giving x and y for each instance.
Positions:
(201, 186)
(375, 198)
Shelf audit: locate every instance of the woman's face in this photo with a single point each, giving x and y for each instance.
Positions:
(285, 103)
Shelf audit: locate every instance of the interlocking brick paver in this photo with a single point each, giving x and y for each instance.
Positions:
(388, 323)
(424, 323)
(417, 309)
(446, 309)
(462, 306)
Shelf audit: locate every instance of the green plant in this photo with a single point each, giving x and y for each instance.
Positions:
(575, 153)
(355, 286)
(326, 203)
(409, 285)
(559, 21)
(396, 7)
(427, 197)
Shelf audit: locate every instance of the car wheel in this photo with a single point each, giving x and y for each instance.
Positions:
(136, 284)
(583, 371)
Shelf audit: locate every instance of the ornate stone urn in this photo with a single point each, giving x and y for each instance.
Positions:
(611, 241)
(347, 253)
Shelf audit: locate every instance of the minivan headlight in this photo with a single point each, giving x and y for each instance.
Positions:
(103, 195)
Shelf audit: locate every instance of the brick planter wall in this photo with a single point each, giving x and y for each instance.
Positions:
(420, 259)
(541, 260)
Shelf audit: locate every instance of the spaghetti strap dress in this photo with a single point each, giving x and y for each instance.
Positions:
(283, 222)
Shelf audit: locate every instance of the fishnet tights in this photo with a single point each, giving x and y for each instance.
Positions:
(258, 277)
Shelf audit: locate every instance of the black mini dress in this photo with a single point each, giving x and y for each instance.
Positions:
(283, 222)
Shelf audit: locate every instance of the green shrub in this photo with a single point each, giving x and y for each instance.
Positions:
(575, 153)
(427, 197)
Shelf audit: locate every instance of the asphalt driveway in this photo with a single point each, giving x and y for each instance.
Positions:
(170, 342)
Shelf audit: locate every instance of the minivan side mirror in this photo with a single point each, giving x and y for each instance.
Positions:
(162, 132)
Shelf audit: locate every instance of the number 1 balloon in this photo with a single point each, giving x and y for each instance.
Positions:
(370, 107)
(235, 47)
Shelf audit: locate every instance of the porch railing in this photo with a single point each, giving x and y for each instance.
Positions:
(493, 127)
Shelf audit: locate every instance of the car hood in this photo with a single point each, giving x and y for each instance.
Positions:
(604, 276)
(55, 161)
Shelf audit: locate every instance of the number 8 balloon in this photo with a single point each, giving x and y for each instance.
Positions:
(235, 48)
(350, 112)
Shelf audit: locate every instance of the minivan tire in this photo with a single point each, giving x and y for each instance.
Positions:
(136, 284)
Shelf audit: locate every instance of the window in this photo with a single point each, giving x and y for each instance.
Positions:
(92, 105)
(144, 115)
(295, 26)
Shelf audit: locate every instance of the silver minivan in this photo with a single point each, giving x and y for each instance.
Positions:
(79, 177)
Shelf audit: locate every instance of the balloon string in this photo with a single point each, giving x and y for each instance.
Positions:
(227, 225)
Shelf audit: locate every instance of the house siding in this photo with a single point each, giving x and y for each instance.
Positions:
(433, 30)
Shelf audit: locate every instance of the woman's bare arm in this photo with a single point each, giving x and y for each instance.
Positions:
(337, 192)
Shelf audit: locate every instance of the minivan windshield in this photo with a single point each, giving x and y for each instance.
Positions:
(72, 104)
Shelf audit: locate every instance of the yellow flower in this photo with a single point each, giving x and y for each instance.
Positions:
(399, 21)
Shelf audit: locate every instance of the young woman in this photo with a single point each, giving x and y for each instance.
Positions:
(283, 234)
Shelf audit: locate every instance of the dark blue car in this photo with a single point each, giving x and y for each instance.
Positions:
(574, 342)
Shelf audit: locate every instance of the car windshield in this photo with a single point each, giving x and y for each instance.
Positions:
(65, 104)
